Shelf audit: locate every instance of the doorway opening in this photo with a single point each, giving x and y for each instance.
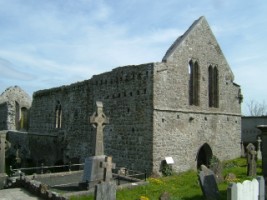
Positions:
(204, 156)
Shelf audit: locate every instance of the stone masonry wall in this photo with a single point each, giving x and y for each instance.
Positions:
(127, 96)
(15, 99)
(126, 93)
(72, 138)
(180, 129)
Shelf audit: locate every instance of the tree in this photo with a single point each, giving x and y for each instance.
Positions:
(257, 109)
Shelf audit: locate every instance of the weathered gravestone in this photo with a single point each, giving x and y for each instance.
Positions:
(251, 160)
(105, 191)
(108, 166)
(4, 146)
(208, 184)
(259, 155)
(93, 173)
(263, 129)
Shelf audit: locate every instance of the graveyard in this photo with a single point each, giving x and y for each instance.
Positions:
(184, 185)
(165, 130)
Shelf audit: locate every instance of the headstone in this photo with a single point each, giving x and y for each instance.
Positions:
(208, 183)
(251, 160)
(93, 173)
(259, 155)
(217, 167)
(261, 181)
(263, 129)
(105, 191)
(108, 166)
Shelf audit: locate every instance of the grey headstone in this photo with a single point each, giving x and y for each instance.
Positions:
(259, 154)
(105, 191)
(208, 184)
(263, 129)
(108, 166)
(251, 160)
(261, 187)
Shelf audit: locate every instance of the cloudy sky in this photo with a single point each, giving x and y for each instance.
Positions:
(49, 43)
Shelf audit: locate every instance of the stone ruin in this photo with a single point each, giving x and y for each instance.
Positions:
(187, 107)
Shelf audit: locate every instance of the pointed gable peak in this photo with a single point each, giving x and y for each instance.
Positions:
(180, 39)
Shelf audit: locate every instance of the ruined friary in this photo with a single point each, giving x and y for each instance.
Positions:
(186, 107)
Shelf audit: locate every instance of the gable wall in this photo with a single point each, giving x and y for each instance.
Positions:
(181, 129)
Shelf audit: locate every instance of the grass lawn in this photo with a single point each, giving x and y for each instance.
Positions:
(181, 186)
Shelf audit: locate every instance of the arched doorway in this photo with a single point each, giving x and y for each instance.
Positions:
(204, 155)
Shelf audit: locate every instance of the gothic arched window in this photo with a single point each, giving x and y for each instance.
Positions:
(193, 83)
(58, 113)
(213, 86)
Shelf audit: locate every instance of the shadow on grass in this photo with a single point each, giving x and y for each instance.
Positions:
(223, 195)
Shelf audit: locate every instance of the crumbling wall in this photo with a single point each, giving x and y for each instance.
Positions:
(18, 103)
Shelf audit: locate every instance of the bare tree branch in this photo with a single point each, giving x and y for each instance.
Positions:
(257, 109)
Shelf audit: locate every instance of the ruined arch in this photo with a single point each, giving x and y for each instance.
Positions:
(204, 155)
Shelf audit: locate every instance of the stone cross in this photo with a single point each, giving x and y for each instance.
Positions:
(259, 155)
(99, 120)
(251, 160)
(108, 166)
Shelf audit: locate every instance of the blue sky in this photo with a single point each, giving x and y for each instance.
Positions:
(49, 43)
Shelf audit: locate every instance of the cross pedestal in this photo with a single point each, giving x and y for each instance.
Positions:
(93, 173)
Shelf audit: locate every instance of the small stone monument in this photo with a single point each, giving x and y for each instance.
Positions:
(208, 183)
(93, 173)
(4, 146)
(106, 190)
(263, 129)
(259, 155)
(251, 160)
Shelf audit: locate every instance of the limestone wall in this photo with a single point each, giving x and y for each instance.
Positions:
(181, 134)
(15, 115)
(126, 93)
(180, 129)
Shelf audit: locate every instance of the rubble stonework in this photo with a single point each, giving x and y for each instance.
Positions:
(150, 113)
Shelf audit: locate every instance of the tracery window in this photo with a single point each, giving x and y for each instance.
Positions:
(193, 83)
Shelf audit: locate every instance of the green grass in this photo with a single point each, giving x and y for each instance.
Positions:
(184, 186)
